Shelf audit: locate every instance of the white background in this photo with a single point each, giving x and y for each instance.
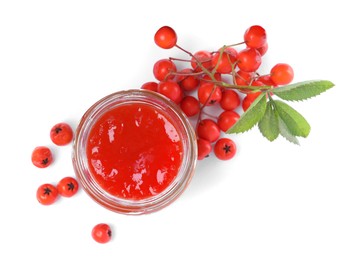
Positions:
(272, 201)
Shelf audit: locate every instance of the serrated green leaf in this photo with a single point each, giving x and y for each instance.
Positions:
(268, 125)
(284, 131)
(251, 117)
(302, 90)
(296, 123)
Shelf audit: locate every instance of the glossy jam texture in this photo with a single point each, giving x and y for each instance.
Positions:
(134, 151)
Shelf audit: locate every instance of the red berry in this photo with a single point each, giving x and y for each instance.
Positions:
(165, 37)
(190, 106)
(266, 80)
(225, 62)
(255, 36)
(249, 99)
(187, 81)
(227, 119)
(249, 60)
(41, 157)
(171, 90)
(263, 50)
(61, 134)
(208, 129)
(230, 99)
(225, 149)
(282, 74)
(151, 85)
(209, 94)
(203, 57)
(207, 79)
(67, 186)
(46, 194)
(204, 148)
(162, 69)
(243, 78)
(101, 233)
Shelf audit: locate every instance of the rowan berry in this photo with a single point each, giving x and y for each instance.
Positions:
(209, 94)
(151, 85)
(208, 129)
(224, 62)
(41, 157)
(162, 69)
(46, 194)
(255, 36)
(190, 106)
(230, 99)
(61, 134)
(187, 80)
(249, 99)
(225, 149)
(202, 57)
(249, 60)
(204, 148)
(171, 90)
(165, 37)
(227, 119)
(282, 74)
(101, 233)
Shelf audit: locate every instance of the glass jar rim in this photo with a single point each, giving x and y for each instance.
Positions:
(156, 202)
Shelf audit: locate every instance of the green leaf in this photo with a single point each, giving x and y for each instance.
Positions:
(251, 117)
(268, 125)
(302, 90)
(284, 131)
(295, 122)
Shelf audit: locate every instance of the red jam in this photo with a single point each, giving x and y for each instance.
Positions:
(134, 151)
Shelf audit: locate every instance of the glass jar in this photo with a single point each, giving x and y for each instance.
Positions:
(186, 169)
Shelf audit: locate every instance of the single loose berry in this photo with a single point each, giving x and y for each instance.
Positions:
(101, 233)
(165, 37)
(61, 134)
(41, 157)
(46, 194)
(67, 186)
(225, 149)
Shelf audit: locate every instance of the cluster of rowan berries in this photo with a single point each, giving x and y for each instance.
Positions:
(61, 134)
(226, 78)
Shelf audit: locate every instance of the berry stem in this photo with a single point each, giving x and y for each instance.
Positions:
(178, 59)
(187, 73)
(235, 44)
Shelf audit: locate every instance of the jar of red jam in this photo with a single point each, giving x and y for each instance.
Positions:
(135, 152)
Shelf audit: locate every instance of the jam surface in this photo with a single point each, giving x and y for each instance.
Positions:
(134, 151)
